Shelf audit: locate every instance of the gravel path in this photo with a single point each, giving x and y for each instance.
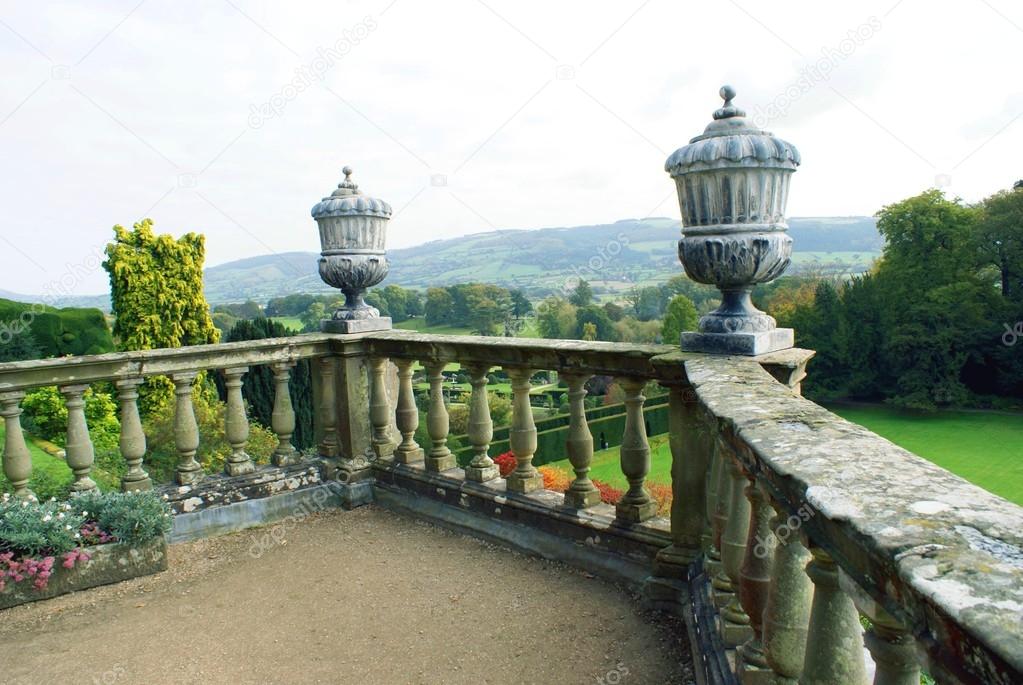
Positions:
(364, 597)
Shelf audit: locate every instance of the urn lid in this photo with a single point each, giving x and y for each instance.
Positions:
(348, 200)
(731, 140)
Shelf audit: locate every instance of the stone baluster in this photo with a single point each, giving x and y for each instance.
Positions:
(721, 584)
(407, 416)
(636, 504)
(690, 456)
(755, 584)
(186, 431)
(481, 429)
(834, 644)
(582, 492)
(735, 627)
(282, 419)
(17, 459)
(236, 424)
(133, 439)
(712, 555)
(328, 446)
(890, 642)
(380, 409)
(78, 449)
(787, 613)
(440, 457)
(522, 434)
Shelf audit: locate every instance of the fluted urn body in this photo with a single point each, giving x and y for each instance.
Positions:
(733, 184)
(353, 257)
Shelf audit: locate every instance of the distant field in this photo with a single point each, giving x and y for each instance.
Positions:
(985, 448)
(419, 324)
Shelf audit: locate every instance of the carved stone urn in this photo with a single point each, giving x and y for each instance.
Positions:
(733, 184)
(353, 232)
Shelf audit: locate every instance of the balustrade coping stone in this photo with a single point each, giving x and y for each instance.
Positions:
(663, 362)
(941, 555)
(124, 365)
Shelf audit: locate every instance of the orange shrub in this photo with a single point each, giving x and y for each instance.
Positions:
(554, 478)
(662, 495)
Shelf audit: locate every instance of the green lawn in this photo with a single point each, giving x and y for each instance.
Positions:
(606, 464)
(985, 448)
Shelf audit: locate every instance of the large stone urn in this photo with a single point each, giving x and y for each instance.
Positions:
(733, 184)
(353, 233)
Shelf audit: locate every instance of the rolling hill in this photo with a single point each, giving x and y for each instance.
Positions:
(614, 256)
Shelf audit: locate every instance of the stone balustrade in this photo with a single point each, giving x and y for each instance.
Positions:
(788, 525)
(128, 370)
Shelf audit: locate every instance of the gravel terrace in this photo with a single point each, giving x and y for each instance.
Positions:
(363, 597)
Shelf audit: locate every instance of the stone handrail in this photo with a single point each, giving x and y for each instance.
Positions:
(18, 376)
(935, 563)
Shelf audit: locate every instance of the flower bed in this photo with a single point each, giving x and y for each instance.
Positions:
(50, 548)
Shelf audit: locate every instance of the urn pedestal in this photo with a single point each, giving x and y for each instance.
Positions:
(353, 258)
(732, 185)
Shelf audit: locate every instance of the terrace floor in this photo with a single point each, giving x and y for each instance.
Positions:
(364, 596)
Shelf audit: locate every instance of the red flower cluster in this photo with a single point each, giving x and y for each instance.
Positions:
(92, 534)
(506, 463)
(73, 556)
(17, 571)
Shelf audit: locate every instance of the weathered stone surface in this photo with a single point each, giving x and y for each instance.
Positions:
(380, 323)
(110, 563)
(216, 491)
(893, 521)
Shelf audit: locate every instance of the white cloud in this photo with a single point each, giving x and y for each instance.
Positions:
(158, 112)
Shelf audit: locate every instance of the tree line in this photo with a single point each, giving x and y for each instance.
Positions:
(933, 323)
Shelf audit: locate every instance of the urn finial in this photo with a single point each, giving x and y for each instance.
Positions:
(732, 183)
(353, 231)
(728, 110)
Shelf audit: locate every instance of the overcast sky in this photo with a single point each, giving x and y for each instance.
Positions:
(233, 117)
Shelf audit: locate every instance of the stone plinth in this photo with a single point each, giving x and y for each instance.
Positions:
(749, 344)
(380, 323)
